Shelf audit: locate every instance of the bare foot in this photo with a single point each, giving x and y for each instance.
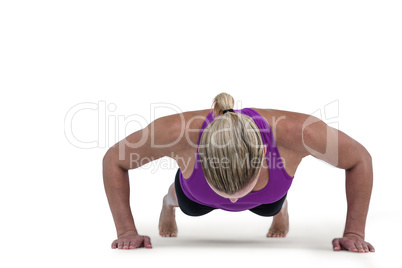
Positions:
(167, 221)
(280, 223)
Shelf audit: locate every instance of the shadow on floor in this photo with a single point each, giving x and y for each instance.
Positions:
(262, 243)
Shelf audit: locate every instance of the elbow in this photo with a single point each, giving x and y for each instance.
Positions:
(366, 156)
(104, 160)
(366, 160)
(369, 157)
(363, 160)
(107, 157)
(369, 161)
(111, 159)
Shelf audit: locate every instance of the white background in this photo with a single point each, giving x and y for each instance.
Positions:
(289, 55)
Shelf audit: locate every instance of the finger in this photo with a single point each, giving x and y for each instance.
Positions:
(114, 244)
(371, 248)
(359, 247)
(352, 247)
(126, 244)
(147, 242)
(365, 247)
(136, 243)
(335, 244)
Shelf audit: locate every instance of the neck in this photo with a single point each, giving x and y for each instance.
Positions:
(263, 178)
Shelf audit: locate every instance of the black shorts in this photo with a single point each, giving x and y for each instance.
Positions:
(192, 208)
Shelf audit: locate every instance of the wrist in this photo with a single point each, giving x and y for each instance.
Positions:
(127, 232)
(354, 234)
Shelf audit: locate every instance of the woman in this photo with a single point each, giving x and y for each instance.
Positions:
(236, 160)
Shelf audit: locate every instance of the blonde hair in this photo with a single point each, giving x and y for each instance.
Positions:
(231, 149)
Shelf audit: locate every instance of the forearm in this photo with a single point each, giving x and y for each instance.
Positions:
(359, 183)
(117, 187)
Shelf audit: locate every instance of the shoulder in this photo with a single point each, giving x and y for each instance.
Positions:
(288, 127)
(171, 136)
(305, 134)
(180, 130)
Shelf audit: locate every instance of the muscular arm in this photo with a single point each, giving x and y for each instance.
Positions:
(313, 137)
(160, 138)
(342, 151)
(359, 182)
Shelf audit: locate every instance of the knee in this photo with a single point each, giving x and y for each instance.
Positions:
(172, 195)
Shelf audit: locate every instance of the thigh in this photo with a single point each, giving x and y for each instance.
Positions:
(268, 210)
(187, 205)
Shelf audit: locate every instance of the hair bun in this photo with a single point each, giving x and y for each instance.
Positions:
(222, 102)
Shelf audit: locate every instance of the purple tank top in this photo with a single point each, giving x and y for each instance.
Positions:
(197, 189)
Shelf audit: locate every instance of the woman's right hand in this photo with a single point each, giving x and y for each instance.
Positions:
(131, 240)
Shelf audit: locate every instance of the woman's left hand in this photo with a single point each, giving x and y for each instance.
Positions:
(352, 243)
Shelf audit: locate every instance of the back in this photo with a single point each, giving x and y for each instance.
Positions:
(197, 189)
